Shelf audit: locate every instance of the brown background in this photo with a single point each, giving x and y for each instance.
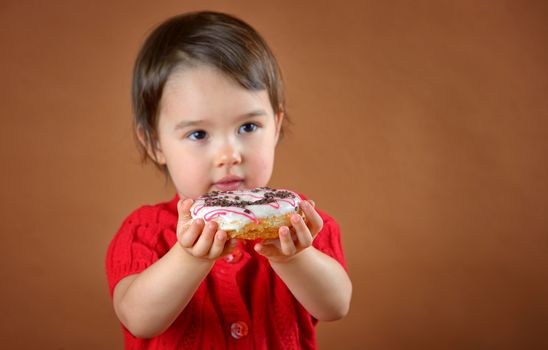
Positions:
(420, 125)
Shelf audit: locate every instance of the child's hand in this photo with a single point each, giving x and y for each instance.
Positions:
(287, 246)
(199, 239)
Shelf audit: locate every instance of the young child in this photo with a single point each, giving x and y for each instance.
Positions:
(209, 107)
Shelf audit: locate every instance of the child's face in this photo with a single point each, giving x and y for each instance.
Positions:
(214, 134)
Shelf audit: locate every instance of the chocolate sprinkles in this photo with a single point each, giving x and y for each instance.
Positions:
(223, 199)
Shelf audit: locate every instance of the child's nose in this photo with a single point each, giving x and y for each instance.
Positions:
(228, 156)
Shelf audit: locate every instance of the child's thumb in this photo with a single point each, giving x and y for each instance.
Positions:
(183, 209)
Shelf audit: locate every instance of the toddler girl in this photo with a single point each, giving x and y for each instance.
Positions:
(208, 111)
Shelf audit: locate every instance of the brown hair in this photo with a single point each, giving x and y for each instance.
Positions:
(210, 38)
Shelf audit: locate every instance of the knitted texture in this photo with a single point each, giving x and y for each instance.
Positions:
(245, 291)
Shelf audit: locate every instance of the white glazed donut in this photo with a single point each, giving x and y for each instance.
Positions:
(249, 214)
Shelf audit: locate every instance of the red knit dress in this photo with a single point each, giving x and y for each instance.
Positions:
(241, 304)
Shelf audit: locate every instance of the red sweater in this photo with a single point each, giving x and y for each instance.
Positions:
(241, 304)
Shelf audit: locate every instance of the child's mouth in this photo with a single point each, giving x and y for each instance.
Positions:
(229, 183)
(228, 186)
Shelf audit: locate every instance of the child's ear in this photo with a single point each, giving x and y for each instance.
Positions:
(279, 120)
(154, 150)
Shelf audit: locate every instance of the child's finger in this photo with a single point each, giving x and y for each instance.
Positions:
(189, 236)
(287, 246)
(183, 208)
(185, 218)
(218, 245)
(276, 241)
(266, 250)
(202, 246)
(315, 222)
(269, 241)
(303, 233)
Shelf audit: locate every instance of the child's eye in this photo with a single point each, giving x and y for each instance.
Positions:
(197, 135)
(247, 128)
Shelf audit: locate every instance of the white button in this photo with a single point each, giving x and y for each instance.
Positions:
(238, 330)
(234, 257)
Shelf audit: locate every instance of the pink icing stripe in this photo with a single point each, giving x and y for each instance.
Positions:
(290, 201)
(197, 209)
(210, 215)
(251, 195)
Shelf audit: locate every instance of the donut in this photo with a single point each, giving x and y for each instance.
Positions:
(248, 214)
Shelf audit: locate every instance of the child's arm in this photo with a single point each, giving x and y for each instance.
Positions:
(147, 303)
(318, 281)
